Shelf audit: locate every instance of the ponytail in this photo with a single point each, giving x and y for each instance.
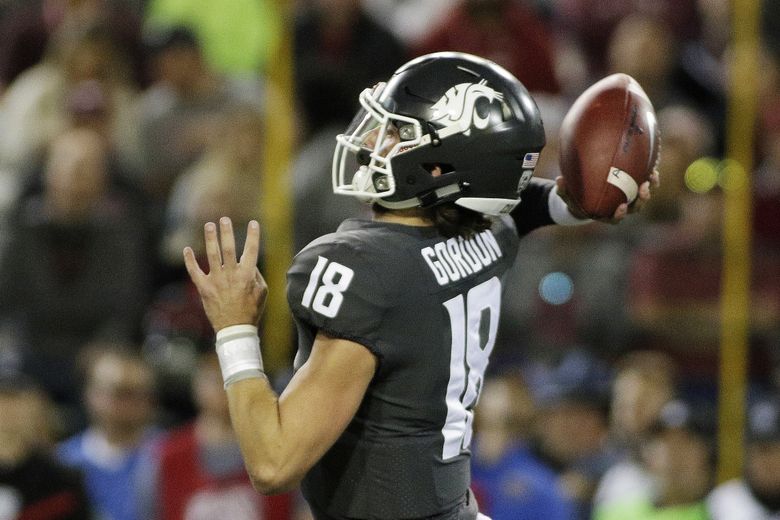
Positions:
(452, 220)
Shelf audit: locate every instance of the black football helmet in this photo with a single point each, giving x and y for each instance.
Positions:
(458, 112)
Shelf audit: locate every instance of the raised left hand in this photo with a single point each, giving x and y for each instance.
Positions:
(233, 292)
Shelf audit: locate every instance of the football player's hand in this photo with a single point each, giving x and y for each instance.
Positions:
(233, 292)
(645, 192)
(621, 211)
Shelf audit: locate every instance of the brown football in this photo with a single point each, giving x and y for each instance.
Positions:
(609, 144)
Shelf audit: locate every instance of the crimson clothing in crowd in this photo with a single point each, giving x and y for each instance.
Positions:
(188, 490)
(520, 41)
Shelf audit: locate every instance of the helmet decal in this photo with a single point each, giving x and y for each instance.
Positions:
(458, 106)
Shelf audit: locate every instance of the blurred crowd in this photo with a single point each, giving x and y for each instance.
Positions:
(127, 124)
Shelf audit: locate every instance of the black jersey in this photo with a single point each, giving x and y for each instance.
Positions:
(428, 308)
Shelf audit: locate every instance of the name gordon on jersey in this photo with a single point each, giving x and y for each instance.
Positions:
(454, 259)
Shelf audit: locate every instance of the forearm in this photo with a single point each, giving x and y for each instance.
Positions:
(256, 418)
(254, 408)
(282, 437)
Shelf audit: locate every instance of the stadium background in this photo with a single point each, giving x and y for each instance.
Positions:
(202, 108)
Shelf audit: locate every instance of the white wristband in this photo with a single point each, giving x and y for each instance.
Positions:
(238, 349)
(560, 213)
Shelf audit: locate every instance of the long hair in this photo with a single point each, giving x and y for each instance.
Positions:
(450, 219)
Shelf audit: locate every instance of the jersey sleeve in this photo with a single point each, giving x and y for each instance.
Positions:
(333, 287)
(533, 210)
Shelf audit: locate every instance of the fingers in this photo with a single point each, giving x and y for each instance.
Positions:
(193, 269)
(221, 248)
(644, 191)
(252, 244)
(655, 179)
(620, 212)
(212, 247)
(646, 188)
(227, 241)
(641, 199)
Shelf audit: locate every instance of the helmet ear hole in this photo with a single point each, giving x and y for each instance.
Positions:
(444, 168)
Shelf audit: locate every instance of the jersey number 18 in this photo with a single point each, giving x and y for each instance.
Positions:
(474, 322)
(327, 297)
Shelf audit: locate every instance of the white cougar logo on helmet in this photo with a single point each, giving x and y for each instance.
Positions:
(458, 106)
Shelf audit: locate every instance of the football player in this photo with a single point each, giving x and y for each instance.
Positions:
(397, 315)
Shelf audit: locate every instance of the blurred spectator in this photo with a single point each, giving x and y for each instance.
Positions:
(568, 286)
(511, 483)
(183, 111)
(176, 331)
(756, 496)
(339, 51)
(590, 23)
(771, 25)
(244, 50)
(409, 20)
(509, 32)
(75, 269)
(766, 191)
(118, 395)
(6, 5)
(675, 270)
(766, 207)
(644, 46)
(225, 180)
(553, 108)
(29, 27)
(317, 211)
(89, 105)
(703, 67)
(59, 286)
(714, 36)
(84, 71)
(674, 299)
(199, 470)
(686, 137)
(32, 484)
(679, 455)
(573, 397)
(645, 381)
